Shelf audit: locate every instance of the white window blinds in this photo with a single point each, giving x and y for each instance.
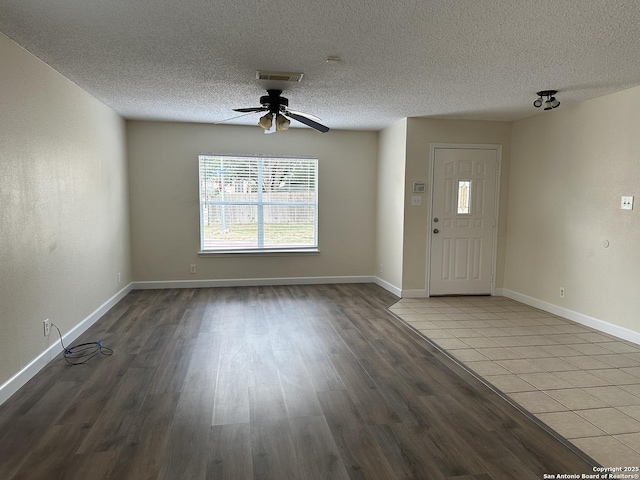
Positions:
(258, 203)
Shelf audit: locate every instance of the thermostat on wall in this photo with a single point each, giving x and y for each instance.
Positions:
(418, 187)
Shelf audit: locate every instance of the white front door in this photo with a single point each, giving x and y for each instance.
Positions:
(463, 221)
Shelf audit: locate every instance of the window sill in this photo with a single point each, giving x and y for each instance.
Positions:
(261, 252)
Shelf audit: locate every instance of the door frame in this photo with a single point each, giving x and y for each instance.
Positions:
(494, 251)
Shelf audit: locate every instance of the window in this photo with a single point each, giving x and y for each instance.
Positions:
(464, 191)
(258, 203)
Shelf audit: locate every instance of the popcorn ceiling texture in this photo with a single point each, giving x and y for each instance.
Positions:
(194, 60)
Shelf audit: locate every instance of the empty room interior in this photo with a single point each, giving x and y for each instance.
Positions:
(319, 240)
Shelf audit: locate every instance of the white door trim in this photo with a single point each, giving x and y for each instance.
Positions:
(473, 146)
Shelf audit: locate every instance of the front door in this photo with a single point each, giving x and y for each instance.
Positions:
(463, 221)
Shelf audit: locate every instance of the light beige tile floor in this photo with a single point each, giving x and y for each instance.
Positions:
(582, 383)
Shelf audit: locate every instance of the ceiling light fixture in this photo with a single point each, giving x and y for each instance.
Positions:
(278, 106)
(266, 121)
(282, 123)
(551, 101)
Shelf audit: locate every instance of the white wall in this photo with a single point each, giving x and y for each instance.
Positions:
(569, 168)
(64, 224)
(390, 205)
(163, 171)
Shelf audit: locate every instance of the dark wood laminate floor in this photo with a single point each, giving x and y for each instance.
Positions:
(300, 382)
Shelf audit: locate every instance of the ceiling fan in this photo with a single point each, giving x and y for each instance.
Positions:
(277, 107)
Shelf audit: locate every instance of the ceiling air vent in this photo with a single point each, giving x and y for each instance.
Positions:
(282, 76)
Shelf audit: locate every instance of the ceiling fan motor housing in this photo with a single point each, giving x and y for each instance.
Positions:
(273, 101)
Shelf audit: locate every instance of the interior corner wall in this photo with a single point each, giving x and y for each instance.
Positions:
(64, 223)
(390, 204)
(163, 172)
(421, 133)
(569, 168)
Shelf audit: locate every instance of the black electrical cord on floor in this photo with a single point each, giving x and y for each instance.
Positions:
(79, 354)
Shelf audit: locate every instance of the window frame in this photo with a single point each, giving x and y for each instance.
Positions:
(259, 204)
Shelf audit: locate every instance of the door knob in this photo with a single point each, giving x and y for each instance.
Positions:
(435, 230)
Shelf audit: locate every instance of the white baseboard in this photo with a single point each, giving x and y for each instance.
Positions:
(250, 282)
(420, 293)
(498, 292)
(601, 325)
(388, 286)
(12, 385)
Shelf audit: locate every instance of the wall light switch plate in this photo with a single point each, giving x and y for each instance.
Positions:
(626, 202)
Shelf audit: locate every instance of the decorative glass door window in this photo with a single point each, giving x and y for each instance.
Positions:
(464, 197)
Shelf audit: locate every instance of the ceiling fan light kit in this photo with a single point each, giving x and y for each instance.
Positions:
(276, 105)
(282, 123)
(266, 121)
(551, 101)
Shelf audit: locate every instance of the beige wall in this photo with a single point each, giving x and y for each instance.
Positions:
(421, 133)
(390, 206)
(163, 170)
(64, 226)
(569, 168)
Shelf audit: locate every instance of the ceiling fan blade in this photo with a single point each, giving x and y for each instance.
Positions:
(251, 109)
(308, 115)
(302, 118)
(233, 118)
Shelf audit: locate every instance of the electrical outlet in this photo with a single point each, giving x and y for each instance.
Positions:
(381, 268)
(192, 268)
(561, 292)
(47, 327)
(118, 277)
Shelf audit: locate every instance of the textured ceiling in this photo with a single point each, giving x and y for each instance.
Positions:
(195, 60)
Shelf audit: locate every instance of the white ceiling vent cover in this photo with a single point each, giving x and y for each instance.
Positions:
(282, 76)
